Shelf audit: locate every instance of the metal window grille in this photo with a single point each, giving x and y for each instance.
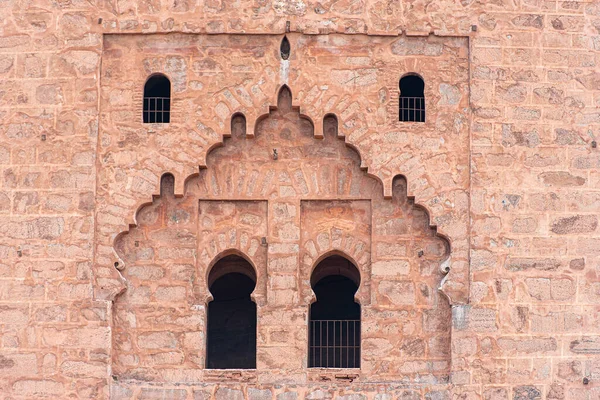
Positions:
(334, 344)
(412, 109)
(157, 110)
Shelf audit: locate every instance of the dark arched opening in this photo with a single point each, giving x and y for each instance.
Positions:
(412, 99)
(334, 323)
(231, 338)
(157, 100)
(285, 48)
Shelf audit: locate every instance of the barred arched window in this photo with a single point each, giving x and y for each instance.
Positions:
(231, 338)
(157, 100)
(412, 99)
(334, 321)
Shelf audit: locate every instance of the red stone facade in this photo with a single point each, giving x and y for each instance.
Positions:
(474, 234)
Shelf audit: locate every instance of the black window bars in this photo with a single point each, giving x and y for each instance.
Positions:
(157, 110)
(412, 109)
(334, 344)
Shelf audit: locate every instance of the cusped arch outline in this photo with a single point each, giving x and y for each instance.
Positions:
(253, 274)
(251, 122)
(359, 296)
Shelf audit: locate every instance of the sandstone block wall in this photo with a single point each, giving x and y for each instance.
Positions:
(505, 168)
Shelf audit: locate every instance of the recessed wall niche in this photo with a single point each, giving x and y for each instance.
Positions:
(291, 172)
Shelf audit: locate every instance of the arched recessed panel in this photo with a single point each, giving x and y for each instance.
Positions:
(412, 99)
(284, 99)
(167, 185)
(157, 100)
(238, 125)
(334, 325)
(231, 330)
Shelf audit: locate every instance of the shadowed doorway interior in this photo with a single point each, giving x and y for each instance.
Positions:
(231, 341)
(334, 326)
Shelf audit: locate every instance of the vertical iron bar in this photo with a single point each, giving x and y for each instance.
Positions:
(159, 101)
(327, 344)
(333, 343)
(158, 113)
(312, 332)
(354, 345)
(321, 344)
(154, 110)
(347, 344)
(340, 343)
(358, 346)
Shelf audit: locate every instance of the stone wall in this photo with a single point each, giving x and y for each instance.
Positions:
(505, 167)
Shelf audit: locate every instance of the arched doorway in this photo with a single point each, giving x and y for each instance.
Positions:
(334, 322)
(231, 330)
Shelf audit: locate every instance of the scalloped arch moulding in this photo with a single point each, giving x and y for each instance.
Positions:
(352, 80)
(284, 200)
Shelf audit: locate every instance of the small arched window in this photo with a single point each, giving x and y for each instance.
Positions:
(412, 99)
(157, 100)
(231, 338)
(334, 322)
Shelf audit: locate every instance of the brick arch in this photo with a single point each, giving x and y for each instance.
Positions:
(361, 296)
(229, 252)
(356, 251)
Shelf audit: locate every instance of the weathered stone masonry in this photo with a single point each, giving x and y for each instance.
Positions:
(103, 285)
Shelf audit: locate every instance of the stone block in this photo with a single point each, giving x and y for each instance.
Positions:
(38, 388)
(224, 393)
(14, 314)
(527, 392)
(578, 224)
(524, 264)
(157, 340)
(396, 293)
(493, 393)
(259, 394)
(585, 345)
(19, 364)
(83, 369)
(162, 394)
(527, 345)
(287, 396)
